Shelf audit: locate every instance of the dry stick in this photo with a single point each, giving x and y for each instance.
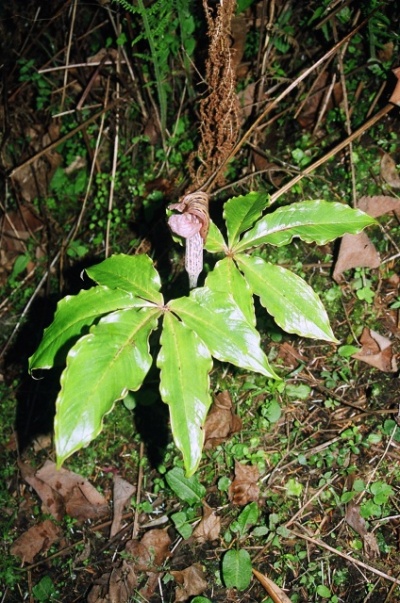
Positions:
(208, 184)
(333, 152)
(68, 53)
(321, 544)
(55, 144)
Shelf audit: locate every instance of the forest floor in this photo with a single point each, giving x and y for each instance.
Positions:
(302, 474)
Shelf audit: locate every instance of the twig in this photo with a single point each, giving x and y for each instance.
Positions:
(68, 53)
(319, 543)
(135, 530)
(59, 141)
(208, 185)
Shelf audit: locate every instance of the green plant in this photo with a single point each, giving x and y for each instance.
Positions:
(103, 333)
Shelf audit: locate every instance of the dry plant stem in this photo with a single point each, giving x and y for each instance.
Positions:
(115, 157)
(332, 152)
(92, 169)
(59, 141)
(319, 543)
(136, 526)
(207, 186)
(68, 53)
(219, 111)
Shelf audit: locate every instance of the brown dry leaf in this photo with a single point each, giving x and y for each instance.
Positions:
(244, 488)
(123, 582)
(192, 582)
(64, 492)
(356, 251)
(389, 171)
(355, 521)
(376, 351)
(276, 593)
(395, 97)
(123, 492)
(151, 552)
(379, 205)
(209, 527)
(221, 421)
(290, 357)
(37, 539)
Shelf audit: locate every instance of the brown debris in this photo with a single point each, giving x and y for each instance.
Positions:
(38, 539)
(209, 528)
(191, 581)
(376, 351)
(123, 492)
(221, 421)
(244, 488)
(63, 492)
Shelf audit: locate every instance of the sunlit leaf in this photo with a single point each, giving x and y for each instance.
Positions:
(74, 315)
(101, 368)
(223, 327)
(135, 274)
(294, 305)
(215, 242)
(185, 363)
(312, 221)
(241, 212)
(227, 278)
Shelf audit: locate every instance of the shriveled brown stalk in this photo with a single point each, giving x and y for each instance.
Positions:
(209, 185)
(219, 110)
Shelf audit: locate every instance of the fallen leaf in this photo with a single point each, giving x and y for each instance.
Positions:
(376, 351)
(389, 171)
(244, 488)
(379, 205)
(276, 593)
(355, 521)
(221, 421)
(192, 582)
(355, 251)
(64, 492)
(209, 527)
(123, 492)
(151, 551)
(123, 582)
(317, 100)
(37, 539)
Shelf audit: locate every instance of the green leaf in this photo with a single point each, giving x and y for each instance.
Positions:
(188, 489)
(248, 517)
(236, 569)
(220, 323)
(185, 364)
(294, 305)
(323, 591)
(135, 274)
(101, 367)
(73, 317)
(313, 221)
(227, 278)
(215, 242)
(241, 212)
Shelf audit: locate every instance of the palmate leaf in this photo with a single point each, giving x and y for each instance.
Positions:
(294, 305)
(223, 327)
(101, 368)
(135, 274)
(312, 221)
(227, 278)
(73, 317)
(241, 212)
(215, 242)
(185, 364)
